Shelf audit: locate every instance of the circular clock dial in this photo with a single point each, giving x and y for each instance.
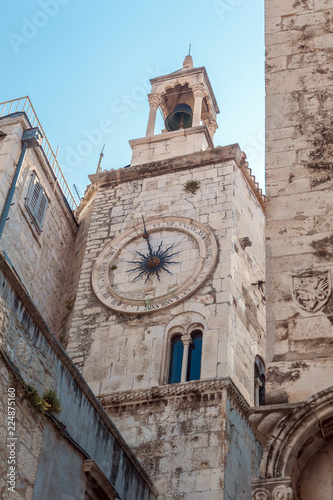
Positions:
(154, 266)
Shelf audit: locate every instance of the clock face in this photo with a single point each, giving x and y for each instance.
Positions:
(154, 265)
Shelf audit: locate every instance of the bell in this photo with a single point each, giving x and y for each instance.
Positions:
(180, 117)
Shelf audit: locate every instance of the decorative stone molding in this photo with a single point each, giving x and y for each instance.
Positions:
(154, 100)
(187, 389)
(198, 90)
(245, 242)
(261, 494)
(293, 433)
(312, 289)
(186, 339)
(211, 125)
(283, 492)
(276, 489)
(264, 419)
(110, 178)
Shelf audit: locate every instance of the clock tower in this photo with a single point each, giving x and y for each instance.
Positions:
(168, 323)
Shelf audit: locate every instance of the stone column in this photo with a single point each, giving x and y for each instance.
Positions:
(154, 103)
(257, 385)
(187, 340)
(198, 93)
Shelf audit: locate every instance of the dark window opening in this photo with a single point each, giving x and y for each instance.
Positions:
(194, 357)
(176, 360)
(259, 382)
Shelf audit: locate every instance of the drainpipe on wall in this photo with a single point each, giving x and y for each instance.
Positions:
(31, 138)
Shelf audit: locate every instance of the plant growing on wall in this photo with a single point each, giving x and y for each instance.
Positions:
(191, 186)
(51, 399)
(49, 402)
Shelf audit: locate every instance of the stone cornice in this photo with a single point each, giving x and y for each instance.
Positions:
(176, 391)
(220, 154)
(171, 135)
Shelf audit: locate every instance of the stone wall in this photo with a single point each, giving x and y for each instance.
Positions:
(248, 306)
(191, 438)
(76, 272)
(52, 449)
(40, 259)
(118, 352)
(299, 38)
(243, 452)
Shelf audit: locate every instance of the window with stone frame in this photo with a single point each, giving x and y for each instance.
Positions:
(36, 202)
(259, 381)
(185, 357)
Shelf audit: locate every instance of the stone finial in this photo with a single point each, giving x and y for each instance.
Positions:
(188, 62)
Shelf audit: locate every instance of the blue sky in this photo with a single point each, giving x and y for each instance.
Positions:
(86, 68)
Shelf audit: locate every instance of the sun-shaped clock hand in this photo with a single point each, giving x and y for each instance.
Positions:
(154, 261)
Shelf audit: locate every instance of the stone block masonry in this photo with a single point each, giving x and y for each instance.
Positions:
(192, 438)
(299, 71)
(118, 352)
(41, 258)
(51, 451)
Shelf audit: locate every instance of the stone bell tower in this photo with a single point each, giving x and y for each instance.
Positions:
(168, 323)
(187, 89)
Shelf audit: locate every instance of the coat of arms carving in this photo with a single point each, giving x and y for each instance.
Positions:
(311, 289)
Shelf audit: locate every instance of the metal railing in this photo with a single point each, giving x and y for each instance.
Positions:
(23, 104)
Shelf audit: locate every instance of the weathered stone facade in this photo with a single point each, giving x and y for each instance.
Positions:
(221, 304)
(50, 455)
(299, 183)
(41, 259)
(296, 427)
(191, 437)
(202, 203)
(82, 455)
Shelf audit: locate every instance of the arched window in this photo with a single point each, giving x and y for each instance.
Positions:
(176, 359)
(259, 382)
(185, 357)
(194, 358)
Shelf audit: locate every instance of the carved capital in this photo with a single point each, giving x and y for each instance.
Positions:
(154, 100)
(273, 489)
(260, 494)
(198, 90)
(186, 339)
(211, 125)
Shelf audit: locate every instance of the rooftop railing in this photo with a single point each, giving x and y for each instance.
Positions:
(23, 104)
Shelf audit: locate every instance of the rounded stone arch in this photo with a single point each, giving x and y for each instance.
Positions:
(297, 438)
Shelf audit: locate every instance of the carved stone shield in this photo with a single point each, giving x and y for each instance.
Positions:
(311, 289)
